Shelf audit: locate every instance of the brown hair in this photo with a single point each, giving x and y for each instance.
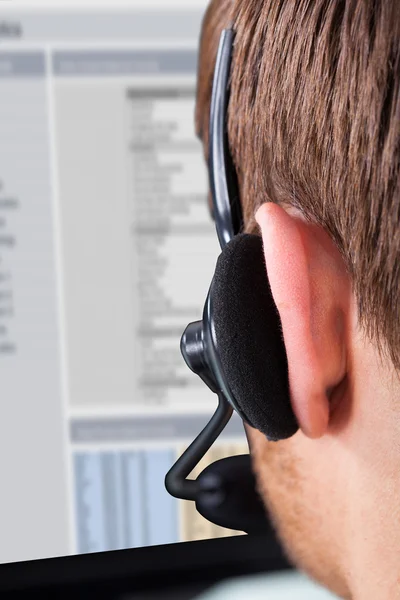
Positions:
(314, 122)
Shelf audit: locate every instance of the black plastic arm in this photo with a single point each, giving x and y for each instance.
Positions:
(176, 481)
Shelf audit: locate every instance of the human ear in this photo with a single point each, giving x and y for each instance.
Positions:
(310, 287)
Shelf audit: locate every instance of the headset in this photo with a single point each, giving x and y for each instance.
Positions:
(237, 348)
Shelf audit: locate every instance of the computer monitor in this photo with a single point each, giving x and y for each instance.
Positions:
(103, 224)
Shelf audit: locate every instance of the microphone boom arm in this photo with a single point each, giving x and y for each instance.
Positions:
(176, 481)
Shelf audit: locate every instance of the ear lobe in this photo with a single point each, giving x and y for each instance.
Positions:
(304, 288)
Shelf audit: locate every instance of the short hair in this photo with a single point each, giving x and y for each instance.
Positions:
(314, 122)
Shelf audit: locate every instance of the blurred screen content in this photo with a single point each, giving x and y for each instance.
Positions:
(106, 253)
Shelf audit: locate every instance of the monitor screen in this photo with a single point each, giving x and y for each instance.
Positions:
(107, 250)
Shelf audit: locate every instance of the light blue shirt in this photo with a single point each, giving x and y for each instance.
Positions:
(282, 586)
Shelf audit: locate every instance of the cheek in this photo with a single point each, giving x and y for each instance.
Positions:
(278, 469)
(303, 491)
(280, 480)
(299, 463)
(297, 487)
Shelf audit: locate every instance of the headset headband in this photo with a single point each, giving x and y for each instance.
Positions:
(227, 209)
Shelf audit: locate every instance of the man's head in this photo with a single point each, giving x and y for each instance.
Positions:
(314, 130)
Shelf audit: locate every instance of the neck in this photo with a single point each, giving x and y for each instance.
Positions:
(374, 535)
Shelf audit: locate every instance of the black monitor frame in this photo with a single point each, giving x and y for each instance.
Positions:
(178, 571)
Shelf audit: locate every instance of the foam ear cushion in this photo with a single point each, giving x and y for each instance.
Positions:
(249, 338)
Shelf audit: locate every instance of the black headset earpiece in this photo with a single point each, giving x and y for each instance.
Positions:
(248, 342)
(239, 345)
(237, 348)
